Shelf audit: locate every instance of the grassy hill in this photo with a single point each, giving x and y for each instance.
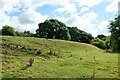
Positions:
(55, 59)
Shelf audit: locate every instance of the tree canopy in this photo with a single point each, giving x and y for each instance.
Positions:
(53, 29)
(28, 34)
(103, 37)
(114, 28)
(8, 30)
(79, 35)
(99, 43)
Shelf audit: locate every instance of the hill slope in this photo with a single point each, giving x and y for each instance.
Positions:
(55, 58)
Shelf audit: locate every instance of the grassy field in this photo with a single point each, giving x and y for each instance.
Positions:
(55, 59)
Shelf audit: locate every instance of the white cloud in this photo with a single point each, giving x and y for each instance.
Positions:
(9, 7)
(30, 17)
(67, 7)
(113, 7)
(103, 27)
(87, 22)
(84, 9)
(89, 3)
(84, 22)
(4, 19)
(29, 20)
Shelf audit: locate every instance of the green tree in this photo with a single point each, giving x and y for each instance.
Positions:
(107, 42)
(7, 30)
(28, 34)
(19, 33)
(103, 37)
(0, 31)
(99, 43)
(79, 35)
(53, 29)
(114, 28)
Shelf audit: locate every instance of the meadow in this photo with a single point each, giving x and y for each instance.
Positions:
(55, 59)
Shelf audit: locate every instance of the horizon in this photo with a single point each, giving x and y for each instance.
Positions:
(92, 17)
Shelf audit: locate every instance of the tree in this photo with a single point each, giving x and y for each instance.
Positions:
(19, 33)
(79, 35)
(28, 34)
(7, 30)
(108, 42)
(99, 43)
(0, 31)
(103, 37)
(53, 29)
(114, 28)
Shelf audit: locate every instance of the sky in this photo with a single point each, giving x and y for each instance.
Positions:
(92, 16)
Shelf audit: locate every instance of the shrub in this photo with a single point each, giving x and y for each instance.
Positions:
(53, 53)
(38, 52)
(7, 30)
(99, 43)
(50, 52)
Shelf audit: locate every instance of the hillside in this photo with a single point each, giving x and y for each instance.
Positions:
(55, 58)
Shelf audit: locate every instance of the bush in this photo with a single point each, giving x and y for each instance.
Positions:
(99, 43)
(107, 42)
(19, 33)
(51, 52)
(102, 44)
(38, 52)
(7, 30)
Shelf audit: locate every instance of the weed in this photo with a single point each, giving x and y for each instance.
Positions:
(31, 60)
(38, 52)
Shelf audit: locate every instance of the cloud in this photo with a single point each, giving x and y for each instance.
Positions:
(67, 7)
(103, 27)
(87, 22)
(9, 7)
(4, 19)
(84, 22)
(30, 17)
(113, 7)
(84, 9)
(89, 3)
(29, 20)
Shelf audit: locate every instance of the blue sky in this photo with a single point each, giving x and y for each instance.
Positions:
(89, 15)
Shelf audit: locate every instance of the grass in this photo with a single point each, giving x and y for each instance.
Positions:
(55, 59)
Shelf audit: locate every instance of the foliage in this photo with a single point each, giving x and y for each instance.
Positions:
(0, 31)
(28, 34)
(99, 43)
(114, 28)
(79, 35)
(53, 29)
(8, 30)
(19, 33)
(107, 42)
(102, 37)
(38, 52)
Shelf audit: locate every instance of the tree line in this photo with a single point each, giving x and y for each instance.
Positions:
(55, 29)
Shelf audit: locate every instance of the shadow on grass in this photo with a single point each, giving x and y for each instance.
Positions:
(111, 52)
(24, 68)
